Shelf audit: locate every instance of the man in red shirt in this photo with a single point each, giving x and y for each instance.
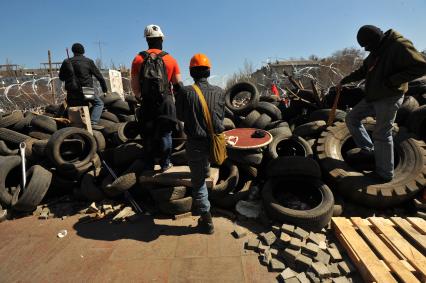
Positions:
(158, 112)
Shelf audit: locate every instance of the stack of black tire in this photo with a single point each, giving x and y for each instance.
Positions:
(300, 137)
(66, 160)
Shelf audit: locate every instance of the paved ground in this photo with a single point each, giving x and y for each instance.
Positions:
(160, 250)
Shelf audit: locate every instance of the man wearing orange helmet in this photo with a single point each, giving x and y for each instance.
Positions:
(189, 110)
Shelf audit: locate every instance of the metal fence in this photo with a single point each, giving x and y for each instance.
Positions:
(35, 93)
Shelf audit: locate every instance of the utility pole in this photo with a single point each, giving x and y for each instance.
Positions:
(51, 75)
(99, 44)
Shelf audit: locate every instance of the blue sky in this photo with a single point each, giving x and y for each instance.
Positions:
(229, 32)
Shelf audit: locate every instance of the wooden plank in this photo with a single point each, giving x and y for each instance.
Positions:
(375, 269)
(419, 223)
(411, 232)
(414, 257)
(388, 256)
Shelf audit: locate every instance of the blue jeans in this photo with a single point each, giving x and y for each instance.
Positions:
(157, 144)
(97, 107)
(197, 153)
(166, 149)
(385, 112)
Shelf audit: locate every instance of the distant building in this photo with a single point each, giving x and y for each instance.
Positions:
(274, 73)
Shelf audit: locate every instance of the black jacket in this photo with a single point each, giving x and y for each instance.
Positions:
(190, 111)
(84, 69)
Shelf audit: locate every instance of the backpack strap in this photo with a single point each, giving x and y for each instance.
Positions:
(162, 54)
(206, 110)
(144, 55)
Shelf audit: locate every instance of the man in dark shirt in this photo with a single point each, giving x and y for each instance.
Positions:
(77, 72)
(190, 111)
(392, 63)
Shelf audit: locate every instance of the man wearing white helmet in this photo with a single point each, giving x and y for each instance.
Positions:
(153, 73)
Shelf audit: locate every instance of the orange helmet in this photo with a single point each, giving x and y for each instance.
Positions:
(199, 60)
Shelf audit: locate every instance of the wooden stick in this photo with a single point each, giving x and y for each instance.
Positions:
(332, 114)
(316, 94)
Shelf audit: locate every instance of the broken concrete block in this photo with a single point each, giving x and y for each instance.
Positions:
(266, 257)
(262, 248)
(287, 274)
(315, 238)
(295, 244)
(276, 230)
(252, 244)
(274, 252)
(36, 212)
(341, 279)
(303, 262)
(284, 239)
(107, 208)
(322, 245)
(310, 249)
(332, 245)
(288, 229)
(320, 270)
(313, 277)
(269, 238)
(335, 254)
(323, 257)
(123, 214)
(334, 270)
(44, 214)
(302, 278)
(92, 208)
(289, 256)
(292, 280)
(276, 265)
(181, 216)
(300, 233)
(239, 232)
(345, 267)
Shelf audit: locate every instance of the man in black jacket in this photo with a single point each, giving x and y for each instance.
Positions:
(392, 63)
(77, 72)
(190, 111)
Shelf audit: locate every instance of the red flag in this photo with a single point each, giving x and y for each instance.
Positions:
(274, 90)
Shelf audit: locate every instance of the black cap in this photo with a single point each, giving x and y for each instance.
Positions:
(77, 48)
(369, 37)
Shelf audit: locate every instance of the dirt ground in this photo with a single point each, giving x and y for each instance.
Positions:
(148, 250)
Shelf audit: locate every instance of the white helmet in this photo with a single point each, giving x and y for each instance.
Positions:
(153, 31)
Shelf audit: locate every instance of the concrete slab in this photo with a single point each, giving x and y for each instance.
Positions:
(176, 176)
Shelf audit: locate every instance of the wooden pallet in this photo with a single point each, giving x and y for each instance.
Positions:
(385, 250)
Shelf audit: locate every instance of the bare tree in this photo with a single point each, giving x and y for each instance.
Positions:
(98, 63)
(326, 71)
(244, 74)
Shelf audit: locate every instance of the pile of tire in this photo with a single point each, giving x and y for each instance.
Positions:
(299, 133)
(67, 160)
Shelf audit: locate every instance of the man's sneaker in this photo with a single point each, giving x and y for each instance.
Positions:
(164, 169)
(380, 179)
(205, 223)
